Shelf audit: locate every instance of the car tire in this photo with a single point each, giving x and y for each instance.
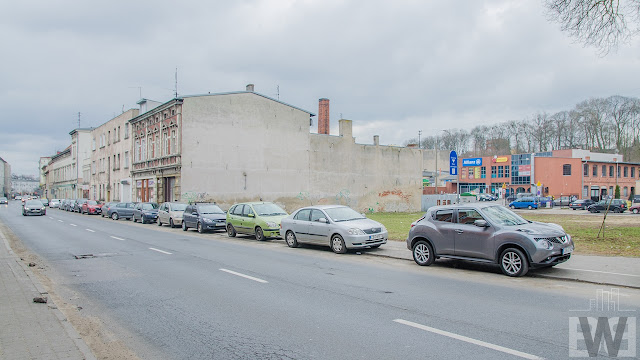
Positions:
(184, 226)
(423, 253)
(199, 227)
(513, 262)
(337, 244)
(134, 218)
(512, 207)
(159, 222)
(230, 230)
(529, 207)
(259, 234)
(23, 214)
(291, 240)
(635, 211)
(44, 213)
(171, 224)
(114, 216)
(616, 210)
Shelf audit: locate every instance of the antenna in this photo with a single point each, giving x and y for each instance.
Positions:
(176, 92)
(139, 89)
(78, 120)
(278, 92)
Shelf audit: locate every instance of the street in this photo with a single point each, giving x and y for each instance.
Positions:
(169, 294)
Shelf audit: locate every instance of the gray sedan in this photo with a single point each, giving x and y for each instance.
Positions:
(339, 227)
(487, 233)
(33, 207)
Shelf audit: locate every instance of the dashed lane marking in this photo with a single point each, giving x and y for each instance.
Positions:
(245, 276)
(160, 251)
(117, 238)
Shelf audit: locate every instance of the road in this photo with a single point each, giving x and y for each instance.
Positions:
(169, 294)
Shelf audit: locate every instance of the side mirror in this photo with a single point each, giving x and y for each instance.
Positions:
(323, 220)
(251, 215)
(481, 223)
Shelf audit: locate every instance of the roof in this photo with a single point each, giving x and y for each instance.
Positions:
(251, 92)
(80, 129)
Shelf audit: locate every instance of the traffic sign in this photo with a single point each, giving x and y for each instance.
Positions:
(453, 163)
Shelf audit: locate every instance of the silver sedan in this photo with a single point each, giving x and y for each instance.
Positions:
(337, 226)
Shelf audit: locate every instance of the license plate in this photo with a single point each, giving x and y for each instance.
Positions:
(567, 250)
(376, 237)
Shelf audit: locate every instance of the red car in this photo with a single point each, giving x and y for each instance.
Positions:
(635, 208)
(91, 207)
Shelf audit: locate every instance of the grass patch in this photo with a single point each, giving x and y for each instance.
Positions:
(622, 233)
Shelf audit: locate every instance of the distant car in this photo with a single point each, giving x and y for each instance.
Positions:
(122, 210)
(564, 200)
(3, 200)
(171, 213)
(77, 207)
(581, 204)
(524, 203)
(54, 203)
(203, 217)
(487, 233)
(17, 197)
(105, 208)
(33, 207)
(71, 204)
(91, 207)
(145, 212)
(336, 226)
(485, 197)
(261, 219)
(44, 201)
(614, 205)
(635, 208)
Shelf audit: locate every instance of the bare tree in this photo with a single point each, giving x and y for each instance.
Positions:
(599, 23)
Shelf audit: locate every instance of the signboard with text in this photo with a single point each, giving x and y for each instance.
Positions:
(453, 163)
(472, 162)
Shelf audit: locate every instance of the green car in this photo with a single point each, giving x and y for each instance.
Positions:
(259, 218)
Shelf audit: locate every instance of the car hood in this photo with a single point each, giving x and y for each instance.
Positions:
(541, 229)
(276, 219)
(152, 211)
(361, 224)
(215, 216)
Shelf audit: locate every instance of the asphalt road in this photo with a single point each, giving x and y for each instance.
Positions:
(170, 294)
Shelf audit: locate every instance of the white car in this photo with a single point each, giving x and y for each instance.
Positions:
(171, 213)
(54, 203)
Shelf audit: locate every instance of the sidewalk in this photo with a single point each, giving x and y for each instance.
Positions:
(31, 330)
(613, 271)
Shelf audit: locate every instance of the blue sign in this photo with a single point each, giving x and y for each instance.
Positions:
(453, 163)
(472, 162)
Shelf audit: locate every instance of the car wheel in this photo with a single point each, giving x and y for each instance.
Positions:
(159, 222)
(616, 210)
(114, 216)
(635, 211)
(513, 262)
(184, 226)
(423, 253)
(171, 224)
(512, 207)
(337, 244)
(23, 214)
(291, 239)
(529, 207)
(200, 229)
(44, 213)
(230, 230)
(134, 218)
(259, 234)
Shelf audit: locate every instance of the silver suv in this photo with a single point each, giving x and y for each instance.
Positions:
(488, 233)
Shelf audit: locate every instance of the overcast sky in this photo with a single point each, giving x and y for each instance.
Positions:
(393, 67)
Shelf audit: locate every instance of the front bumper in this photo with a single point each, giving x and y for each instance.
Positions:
(271, 233)
(365, 241)
(34, 212)
(149, 217)
(214, 225)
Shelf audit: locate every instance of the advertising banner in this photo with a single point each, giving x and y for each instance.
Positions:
(472, 162)
(524, 170)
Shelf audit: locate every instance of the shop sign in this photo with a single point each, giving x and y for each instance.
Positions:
(524, 170)
(502, 159)
(472, 162)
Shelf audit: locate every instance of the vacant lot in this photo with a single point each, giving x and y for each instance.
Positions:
(621, 235)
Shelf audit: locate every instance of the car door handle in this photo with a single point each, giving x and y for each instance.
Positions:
(459, 231)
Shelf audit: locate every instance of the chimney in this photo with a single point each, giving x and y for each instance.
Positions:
(376, 140)
(250, 87)
(346, 128)
(323, 116)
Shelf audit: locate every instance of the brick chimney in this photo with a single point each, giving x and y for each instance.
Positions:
(323, 116)
(250, 87)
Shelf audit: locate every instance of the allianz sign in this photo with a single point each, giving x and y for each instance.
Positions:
(472, 162)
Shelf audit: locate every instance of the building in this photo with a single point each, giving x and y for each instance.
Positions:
(59, 173)
(108, 174)
(80, 160)
(5, 178)
(241, 146)
(23, 184)
(574, 173)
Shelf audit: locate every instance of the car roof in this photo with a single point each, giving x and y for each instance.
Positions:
(463, 205)
(252, 203)
(323, 207)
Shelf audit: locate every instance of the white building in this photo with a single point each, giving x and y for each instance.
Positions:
(80, 157)
(5, 178)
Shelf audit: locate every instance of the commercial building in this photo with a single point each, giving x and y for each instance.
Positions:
(5, 178)
(573, 172)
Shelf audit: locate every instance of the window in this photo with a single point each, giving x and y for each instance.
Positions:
(303, 215)
(444, 215)
(625, 191)
(247, 211)
(174, 142)
(586, 169)
(93, 144)
(114, 162)
(604, 170)
(566, 169)
(500, 171)
(126, 130)
(611, 171)
(126, 159)
(626, 171)
(493, 172)
(165, 143)
(619, 167)
(93, 168)
(633, 172)
(108, 137)
(238, 210)
(118, 161)
(143, 149)
(483, 172)
(118, 132)
(136, 151)
(468, 216)
(595, 171)
(317, 215)
(506, 171)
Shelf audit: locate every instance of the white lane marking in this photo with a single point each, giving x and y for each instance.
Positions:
(89, 230)
(161, 251)
(73, 224)
(601, 272)
(117, 238)
(469, 340)
(50, 218)
(60, 221)
(245, 276)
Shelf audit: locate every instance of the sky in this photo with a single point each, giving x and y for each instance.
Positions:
(393, 67)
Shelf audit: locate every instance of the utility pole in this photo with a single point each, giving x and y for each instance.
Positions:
(419, 133)
(78, 120)
(436, 164)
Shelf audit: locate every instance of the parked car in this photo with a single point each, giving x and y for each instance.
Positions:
(122, 210)
(636, 199)
(91, 207)
(259, 218)
(77, 207)
(105, 208)
(3, 200)
(485, 197)
(487, 233)
(71, 204)
(614, 205)
(581, 204)
(203, 217)
(635, 208)
(145, 212)
(171, 213)
(524, 203)
(33, 207)
(54, 203)
(44, 201)
(336, 226)
(564, 200)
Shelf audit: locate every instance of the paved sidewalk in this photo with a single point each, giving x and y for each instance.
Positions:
(31, 330)
(614, 271)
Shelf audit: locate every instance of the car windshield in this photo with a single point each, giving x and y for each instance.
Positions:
(178, 207)
(33, 203)
(92, 202)
(503, 216)
(268, 210)
(149, 206)
(343, 214)
(210, 209)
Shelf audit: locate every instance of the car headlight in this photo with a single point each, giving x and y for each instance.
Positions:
(272, 225)
(355, 231)
(545, 244)
(207, 220)
(383, 229)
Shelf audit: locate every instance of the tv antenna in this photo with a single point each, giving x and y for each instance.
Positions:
(78, 120)
(176, 88)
